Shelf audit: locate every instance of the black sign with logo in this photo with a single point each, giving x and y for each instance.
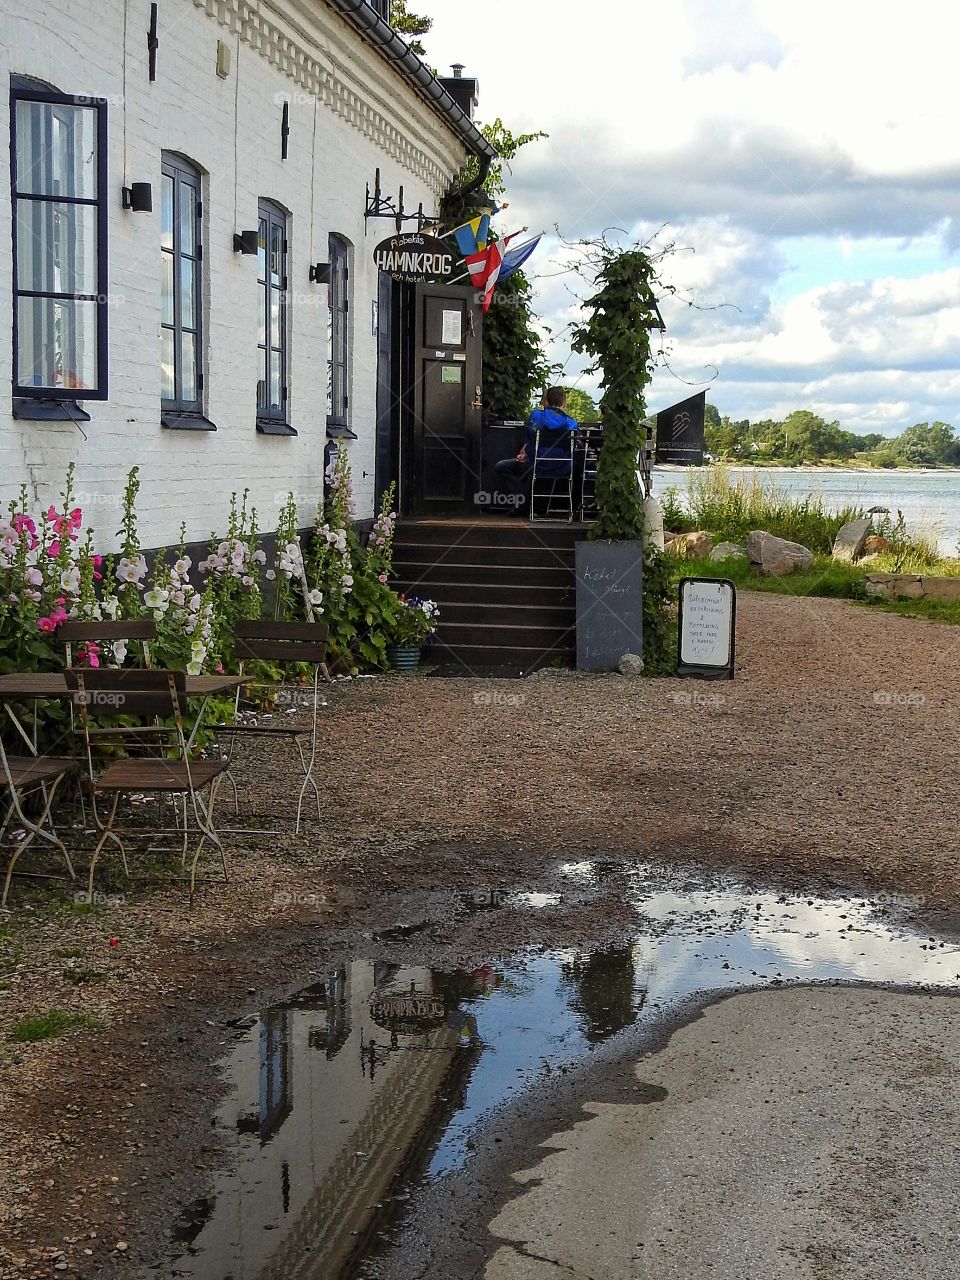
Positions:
(415, 258)
(680, 432)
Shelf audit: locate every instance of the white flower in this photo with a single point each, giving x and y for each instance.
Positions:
(157, 599)
(127, 572)
(270, 575)
(194, 668)
(195, 603)
(259, 557)
(182, 567)
(316, 597)
(247, 580)
(111, 606)
(198, 649)
(119, 652)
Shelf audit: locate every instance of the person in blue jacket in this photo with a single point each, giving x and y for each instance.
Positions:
(516, 474)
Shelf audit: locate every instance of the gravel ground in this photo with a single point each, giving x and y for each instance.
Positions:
(831, 759)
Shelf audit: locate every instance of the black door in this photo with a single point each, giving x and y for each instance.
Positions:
(446, 400)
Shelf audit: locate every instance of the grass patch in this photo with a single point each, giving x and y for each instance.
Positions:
(45, 1026)
(68, 953)
(828, 577)
(84, 977)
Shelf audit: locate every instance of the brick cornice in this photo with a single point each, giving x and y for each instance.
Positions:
(319, 74)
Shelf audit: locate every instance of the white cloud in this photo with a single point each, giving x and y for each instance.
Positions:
(751, 127)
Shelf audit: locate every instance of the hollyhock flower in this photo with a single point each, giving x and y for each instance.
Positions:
(53, 550)
(270, 575)
(70, 580)
(260, 557)
(316, 597)
(119, 652)
(33, 578)
(347, 580)
(194, 668)
(30, 594)
(110, 606)
(382, 577)
(23, 523)
(157, 599)
(247, 581)
(182, 566)
(127, 572)
(46, 625)
(219, 668)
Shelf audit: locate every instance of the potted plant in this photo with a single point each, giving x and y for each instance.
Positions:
(622, 584)
(413, 627)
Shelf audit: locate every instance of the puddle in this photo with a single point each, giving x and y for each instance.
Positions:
(371, 1083)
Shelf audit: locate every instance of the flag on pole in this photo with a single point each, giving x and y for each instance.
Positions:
(473, 236)
(485, 267)
(515, 258)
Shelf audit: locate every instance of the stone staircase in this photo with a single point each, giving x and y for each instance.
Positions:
(506, 590)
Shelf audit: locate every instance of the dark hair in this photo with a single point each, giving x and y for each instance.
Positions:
(556, 398)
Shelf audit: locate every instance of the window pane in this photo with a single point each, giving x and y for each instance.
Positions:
(166, 211)
(188, 372)
(262, 250)
(188, 276)
(166, 289)
(56, 343)
(275, 313)
(56, 246)
(274, 381)
(56, 149)
(261, 316)
(167, 383)
(276, 254)
(188, 218)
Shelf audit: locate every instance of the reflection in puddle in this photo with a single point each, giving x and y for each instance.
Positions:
(346, 1098)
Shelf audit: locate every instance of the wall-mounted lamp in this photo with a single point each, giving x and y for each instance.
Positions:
(138, 197)
(246, 241)
(320, 273)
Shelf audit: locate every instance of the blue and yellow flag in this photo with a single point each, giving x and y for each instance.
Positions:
(472, 237)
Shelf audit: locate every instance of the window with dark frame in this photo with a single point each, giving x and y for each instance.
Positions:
(59, 184)
(272, 320)
(338, 338)
(181, 302)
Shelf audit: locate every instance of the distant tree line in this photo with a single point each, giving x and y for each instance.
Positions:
(803, 436)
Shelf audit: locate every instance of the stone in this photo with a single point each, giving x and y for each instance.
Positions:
(631, 664)
(668, 536)
(728, 551)
(777, 556)
(692, 546)
(894, 586)
(851, 540)
(941, 588)
(875, 544)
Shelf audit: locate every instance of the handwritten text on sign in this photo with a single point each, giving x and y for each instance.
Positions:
(707, 632)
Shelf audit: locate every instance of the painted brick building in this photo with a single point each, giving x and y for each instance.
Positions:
(151, 337)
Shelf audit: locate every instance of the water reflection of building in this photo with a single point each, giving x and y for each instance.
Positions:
(323, 1139)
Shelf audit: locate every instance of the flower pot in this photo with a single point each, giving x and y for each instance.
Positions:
(404, 657)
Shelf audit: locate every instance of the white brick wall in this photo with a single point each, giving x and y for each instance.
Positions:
(231, 130)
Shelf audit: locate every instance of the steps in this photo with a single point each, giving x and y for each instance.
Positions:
(506, 589)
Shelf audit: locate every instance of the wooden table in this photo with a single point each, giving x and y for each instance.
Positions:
(34, 686)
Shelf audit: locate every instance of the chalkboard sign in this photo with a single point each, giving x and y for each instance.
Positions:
(707, 628)
(609, 603)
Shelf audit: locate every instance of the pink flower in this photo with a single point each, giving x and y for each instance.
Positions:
(219, 668)
(33, 578)
(54, 549)
(76, 517)
(24, 522)
(46, 624)
(381, 577)
(51, 514)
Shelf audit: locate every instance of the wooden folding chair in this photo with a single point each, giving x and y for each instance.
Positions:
(286, 644)
(149, 696)
(21, 776)
(78, 633)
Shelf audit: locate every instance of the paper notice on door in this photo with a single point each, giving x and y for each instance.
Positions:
(452, 328)
(451, 373)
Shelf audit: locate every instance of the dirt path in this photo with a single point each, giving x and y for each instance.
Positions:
(832, 759)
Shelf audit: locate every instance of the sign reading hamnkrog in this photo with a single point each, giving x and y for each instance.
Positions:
(414, 258)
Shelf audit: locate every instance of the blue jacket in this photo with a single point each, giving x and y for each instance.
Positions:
(554, 420)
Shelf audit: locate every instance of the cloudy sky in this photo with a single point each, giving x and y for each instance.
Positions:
(805, 158)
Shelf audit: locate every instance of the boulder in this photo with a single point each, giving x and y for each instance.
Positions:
(875, 544)
(691, 546)
(851, 539)
(668, 536)
(775, 555)
(728, 550)
(631, 664)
